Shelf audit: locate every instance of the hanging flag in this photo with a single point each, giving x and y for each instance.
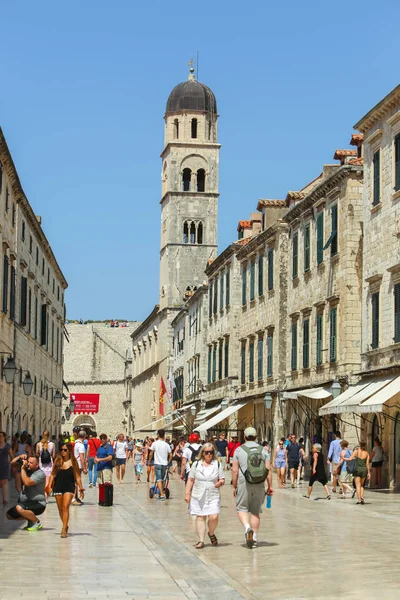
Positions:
(171, 386)
(163, 391)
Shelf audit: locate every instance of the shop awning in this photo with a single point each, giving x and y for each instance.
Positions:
(227, 412)
(354, 396)
(146, 427)
(375, 403)
(204, 414)
(318, 393)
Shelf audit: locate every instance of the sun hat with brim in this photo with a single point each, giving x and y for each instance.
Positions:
(139, 445)
(250, 432)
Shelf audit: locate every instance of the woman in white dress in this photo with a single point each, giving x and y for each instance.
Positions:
(202, 493)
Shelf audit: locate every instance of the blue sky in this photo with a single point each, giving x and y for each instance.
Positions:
(83, 92)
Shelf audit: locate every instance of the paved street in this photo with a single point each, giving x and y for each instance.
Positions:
(143, 549)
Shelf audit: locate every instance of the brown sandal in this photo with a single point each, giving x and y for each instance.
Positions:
(199, 545)
(64, 534)
(213, 539)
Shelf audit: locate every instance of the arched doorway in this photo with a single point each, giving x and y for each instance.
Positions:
(85, 422)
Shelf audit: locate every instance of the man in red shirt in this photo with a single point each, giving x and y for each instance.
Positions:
(232, 445)
(93, 445)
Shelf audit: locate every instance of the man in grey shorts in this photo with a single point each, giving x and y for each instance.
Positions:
(249, 496)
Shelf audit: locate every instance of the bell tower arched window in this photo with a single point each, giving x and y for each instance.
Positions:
(194, 128)
(186, 176)
(201, 180)
(176, 129)
(185, 233)
(200, 233)
(192, 233)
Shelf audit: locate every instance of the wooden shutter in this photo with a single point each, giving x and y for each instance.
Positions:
(244, 284)
(215, 295)
(397, 163)
(43, 326)
(307, 247)
(226, 357)
(214, 365)
(319, 340)
(5, 284)
(210, 298)
(320, 238)
(252, 279)
(375, 319)
(24, 300)
(270, 269)
(251, 361)
(12, 293)
(220, 356)
(261, 275)
(334, 234)
(295, 262)
(270, 355)
(377, 179)
(221, 291)
(397, 313)
(243, 364)
(332, 335)
(306, 344)
(294, 346)
(260, 358)
(209, 364)
(228, 288)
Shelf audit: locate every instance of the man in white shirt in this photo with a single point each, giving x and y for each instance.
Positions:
(160, 451)
(80, 455)
(121, 450)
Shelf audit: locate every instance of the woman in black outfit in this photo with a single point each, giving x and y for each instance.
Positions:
(318, 472)
(64, 476)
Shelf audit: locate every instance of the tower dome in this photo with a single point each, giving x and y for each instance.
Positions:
(191, 95)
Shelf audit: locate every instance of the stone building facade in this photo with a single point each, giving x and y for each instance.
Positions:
(95, 363)
(189, 215)
(32, 311)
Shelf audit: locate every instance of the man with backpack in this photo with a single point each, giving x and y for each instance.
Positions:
(251, 467)
(189, 455)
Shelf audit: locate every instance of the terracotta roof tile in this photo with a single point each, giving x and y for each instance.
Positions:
(244, 241)
(339, 154)
(356, 161)
(356, 139)
(291, 195)
(244, 224)
(271, 203)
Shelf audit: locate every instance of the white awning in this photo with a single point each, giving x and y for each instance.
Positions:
(227, 412)
(317, 393)
(375, 403)
(354, 396)
(146, 427)
(204, 414)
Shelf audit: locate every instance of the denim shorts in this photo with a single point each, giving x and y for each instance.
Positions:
(121, 461)
(160, 471)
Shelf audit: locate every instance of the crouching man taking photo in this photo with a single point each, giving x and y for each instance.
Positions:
(31, 501)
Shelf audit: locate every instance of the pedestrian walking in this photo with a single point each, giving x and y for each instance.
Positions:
(222, 449)
(293, 458)
(46, 451)
(80, 456)
(189, 454)
(232, 445)
(280, 464)
(376, 457)
(334, 458)
(177, 456)
(103, 460)
(149, 460)
(203, 495)
(121, 450)
(92, 447)
(251, 467)
(161, 452)
(363, 471)
(302, 462)
(318, 472)
(345, 478)
(65, 477)
(138, 460)
(6, 455)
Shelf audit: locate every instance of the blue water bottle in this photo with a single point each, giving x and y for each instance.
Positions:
(269, 501)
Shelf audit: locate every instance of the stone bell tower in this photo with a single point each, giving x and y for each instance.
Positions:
(189, 202)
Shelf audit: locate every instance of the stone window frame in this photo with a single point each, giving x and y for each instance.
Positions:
(394, 124)
(374, 286)
(374, 142)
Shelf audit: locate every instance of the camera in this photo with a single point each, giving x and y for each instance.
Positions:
(20, 462)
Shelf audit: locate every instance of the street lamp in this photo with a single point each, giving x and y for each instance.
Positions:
(193, 410)
(224, 403)
(10, 369)
(58, 399)
(72, 406)
(63, 420)
(67, 413)
(267, 400)
(28, 384)
(336, 389)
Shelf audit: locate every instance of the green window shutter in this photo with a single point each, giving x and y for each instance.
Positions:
(397, 313)
(334, 242)
(333, 335)
(307, 247)
(251, 361)
(209, 364)
(270, 269)
(23, 301)
(220, 356)
(243, 364)
(210, 298)
(294, 346)
(260, 346)
(221, 291)
(377, 178)
(319, 339)
(226, 357)
(12, 293)
(252, 279)
(244, 285)
(215, 308)
(228, 287)
(270, 355)
(397, 163)
(320, 238)
(306, 344)
(261, 275)
(295, 261)
(375, 319)
(5, 284)
(214, 363)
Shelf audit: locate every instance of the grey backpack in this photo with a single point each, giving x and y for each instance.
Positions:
(256, 471)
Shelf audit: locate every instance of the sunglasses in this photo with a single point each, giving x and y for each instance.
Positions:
(209, 452)
(280, 443)
(64, 449)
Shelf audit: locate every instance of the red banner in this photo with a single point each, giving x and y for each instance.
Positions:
(85, 403)
(163, 391)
